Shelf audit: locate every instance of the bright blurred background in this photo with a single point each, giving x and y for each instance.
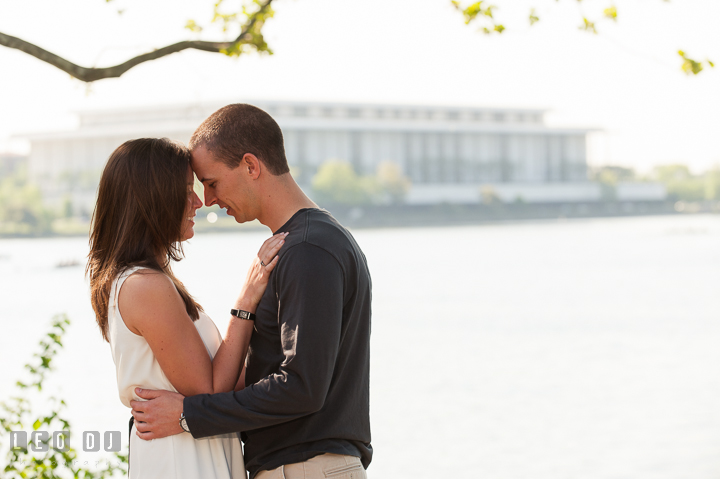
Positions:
(538, 209)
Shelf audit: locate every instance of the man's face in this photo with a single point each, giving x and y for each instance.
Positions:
(226, 187)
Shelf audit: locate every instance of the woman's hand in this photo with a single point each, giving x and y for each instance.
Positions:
(260, 269)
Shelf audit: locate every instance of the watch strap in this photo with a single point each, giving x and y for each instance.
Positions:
(183, 422)
(239, 313)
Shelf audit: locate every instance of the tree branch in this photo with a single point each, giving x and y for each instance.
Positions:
(93, 74)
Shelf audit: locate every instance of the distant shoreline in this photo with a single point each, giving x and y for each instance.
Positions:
(458, 215)
(399, 216)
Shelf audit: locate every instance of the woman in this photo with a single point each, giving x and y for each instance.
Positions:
(159, 336)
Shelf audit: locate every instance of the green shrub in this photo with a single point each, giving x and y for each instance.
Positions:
(17, 414)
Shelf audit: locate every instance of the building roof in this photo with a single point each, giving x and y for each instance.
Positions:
(164, 120)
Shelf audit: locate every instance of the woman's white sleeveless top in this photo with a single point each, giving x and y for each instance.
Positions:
(179, 456)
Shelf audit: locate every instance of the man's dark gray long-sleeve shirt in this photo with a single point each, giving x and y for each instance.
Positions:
(308, 365)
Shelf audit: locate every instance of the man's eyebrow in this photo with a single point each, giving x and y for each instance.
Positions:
(203, 180)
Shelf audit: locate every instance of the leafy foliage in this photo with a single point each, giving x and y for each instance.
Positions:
(480, 10)
(21, 207)
(248, 19)
(611, 13)
(611, 175)
(682, 185)
(588, 26)
(337, 183)
(24, 212)
(17, 414)
(680, 182)
(692, 67)
(485, 13)
(608, 176)
(533, 18)
(393, 184)
(239, 19)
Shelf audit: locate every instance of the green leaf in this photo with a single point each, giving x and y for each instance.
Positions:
(588, 26)
(533, 17)
(690, 66)
(193, 27)
(474, 10)
(611, 13)
(36, 424)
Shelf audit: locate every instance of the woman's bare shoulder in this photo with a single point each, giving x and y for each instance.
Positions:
(146, 292)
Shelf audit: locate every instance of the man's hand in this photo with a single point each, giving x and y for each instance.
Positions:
(159, 416)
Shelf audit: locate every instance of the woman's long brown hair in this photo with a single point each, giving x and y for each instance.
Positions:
(138, 218)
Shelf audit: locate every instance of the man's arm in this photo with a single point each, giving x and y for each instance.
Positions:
(310, 295)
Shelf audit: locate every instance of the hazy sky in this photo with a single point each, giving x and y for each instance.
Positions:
(625, 81)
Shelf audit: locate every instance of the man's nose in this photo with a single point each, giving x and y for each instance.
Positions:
(209, 198)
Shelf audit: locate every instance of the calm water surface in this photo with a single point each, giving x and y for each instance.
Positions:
(534, 350)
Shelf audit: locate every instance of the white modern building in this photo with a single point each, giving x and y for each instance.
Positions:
(451, 154)
(10, 164)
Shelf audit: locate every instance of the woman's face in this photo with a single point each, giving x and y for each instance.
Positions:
(193, 203)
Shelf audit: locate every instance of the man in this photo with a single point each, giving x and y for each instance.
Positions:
(305, 410)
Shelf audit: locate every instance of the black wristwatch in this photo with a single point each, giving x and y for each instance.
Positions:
(183, 423)
(243, 314)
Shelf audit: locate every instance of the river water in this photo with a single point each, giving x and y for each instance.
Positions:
(583, 348)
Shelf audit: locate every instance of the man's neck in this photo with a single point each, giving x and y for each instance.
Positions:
(281, 201)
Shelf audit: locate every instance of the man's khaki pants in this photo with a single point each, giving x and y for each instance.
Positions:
(319, 467)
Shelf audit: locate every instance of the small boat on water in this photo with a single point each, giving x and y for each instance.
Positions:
(70, 263)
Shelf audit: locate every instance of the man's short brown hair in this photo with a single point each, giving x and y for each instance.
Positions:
(237, 129)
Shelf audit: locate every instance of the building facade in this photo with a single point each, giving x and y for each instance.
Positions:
(448, 153)
(11, 164)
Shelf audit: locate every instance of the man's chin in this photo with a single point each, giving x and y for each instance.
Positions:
(235, 216)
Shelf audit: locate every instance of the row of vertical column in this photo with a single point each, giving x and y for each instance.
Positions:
(445, 157)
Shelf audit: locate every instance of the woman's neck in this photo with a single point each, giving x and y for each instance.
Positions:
(162, 260)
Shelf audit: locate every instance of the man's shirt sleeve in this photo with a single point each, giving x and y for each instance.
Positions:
(310, 296)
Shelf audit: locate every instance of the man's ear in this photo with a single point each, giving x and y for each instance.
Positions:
(252, 165)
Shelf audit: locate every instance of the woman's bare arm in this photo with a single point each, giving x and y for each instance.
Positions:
(151, 307)
(230, 357)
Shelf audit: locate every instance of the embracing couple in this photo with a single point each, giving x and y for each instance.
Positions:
(291, 374)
